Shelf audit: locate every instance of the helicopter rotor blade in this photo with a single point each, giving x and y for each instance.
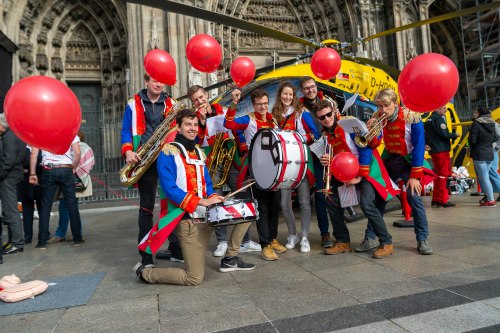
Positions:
(432, 20)
(258, 72)
(203, 14)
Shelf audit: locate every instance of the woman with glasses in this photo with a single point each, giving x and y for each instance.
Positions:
(291, 115)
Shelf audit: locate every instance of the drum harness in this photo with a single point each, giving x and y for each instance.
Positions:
(200, 211)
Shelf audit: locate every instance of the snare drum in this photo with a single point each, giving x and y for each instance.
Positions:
(278, 159)
(233, 211)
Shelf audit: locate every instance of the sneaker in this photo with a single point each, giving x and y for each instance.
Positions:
(304, 245)
(268, 253)
(435, 204)
(13, 249)
(221, 249)
(292, 241)
(250, 246)
(6, 245)
(175, 252)
(326, 241)
(230, 264)
(78, 243)
(424, 248)
(448, 205)
(277, 247)
(489, 204)
(383, 251)
(41, 246)
(483, 199)
(138, 269)
(56, 239)
(338, 247)
(366, 245)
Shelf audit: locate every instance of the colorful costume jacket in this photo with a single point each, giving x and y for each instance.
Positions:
(184, 181)
(370, 164)
(246, 127)
(134, 122)
(405, 136)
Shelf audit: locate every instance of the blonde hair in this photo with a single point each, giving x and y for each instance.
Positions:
(386, 95)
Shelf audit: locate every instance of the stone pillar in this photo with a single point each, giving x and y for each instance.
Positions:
(398, 10)
(423, 8)
(137, 45)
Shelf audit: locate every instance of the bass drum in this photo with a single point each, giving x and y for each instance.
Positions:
(278, 159)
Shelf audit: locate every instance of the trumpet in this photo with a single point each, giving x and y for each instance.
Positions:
(327, 173)
(363, 139)
(148, 152)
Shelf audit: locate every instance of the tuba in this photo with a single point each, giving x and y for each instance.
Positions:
(148, 152)
(362, 139)
(220, 159)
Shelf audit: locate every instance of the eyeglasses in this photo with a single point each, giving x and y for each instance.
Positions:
(262, 104)
(328, 115)
(309, 88)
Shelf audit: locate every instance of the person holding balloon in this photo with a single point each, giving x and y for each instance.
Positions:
(404, 139)
(354, 166)
(268, 201)
(143, 115)
(291, 115)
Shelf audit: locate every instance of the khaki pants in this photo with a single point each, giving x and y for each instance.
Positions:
(194, 242)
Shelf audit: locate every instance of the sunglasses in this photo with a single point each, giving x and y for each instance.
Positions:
(328, 115)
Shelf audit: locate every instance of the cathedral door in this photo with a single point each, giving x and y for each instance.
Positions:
(89, 96)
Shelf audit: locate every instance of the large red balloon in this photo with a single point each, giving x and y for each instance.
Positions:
(242, 71)
(204, 53)
(344, 166)
(160, 66)
(428, 82)
(325, 63)
(43, 112)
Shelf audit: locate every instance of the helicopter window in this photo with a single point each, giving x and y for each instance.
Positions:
(362, 110)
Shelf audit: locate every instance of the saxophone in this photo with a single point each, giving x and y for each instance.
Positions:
(148, 152)
(220, 159)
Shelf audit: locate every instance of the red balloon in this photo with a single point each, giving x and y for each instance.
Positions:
(325, 63)
(242, 71)
(204, 53)
(344, 166)
(428, 82)
(160, 66)
(43, 112)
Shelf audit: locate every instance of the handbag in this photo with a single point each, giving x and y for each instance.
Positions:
(79, 186)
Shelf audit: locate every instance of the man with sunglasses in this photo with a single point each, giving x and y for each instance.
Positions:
(311, 97)
(268, 201)
(375, 188)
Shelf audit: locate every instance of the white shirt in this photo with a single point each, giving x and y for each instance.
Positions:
(66, 158)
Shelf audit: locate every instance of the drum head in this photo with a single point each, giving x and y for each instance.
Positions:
(265, 153)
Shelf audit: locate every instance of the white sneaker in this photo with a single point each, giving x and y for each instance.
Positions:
(292, 241)
(250, 246)
(221, 249)
(304, 245)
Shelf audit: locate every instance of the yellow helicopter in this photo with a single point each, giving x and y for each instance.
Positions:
(360, 76)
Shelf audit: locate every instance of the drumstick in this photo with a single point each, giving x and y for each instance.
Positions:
(238, 190)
